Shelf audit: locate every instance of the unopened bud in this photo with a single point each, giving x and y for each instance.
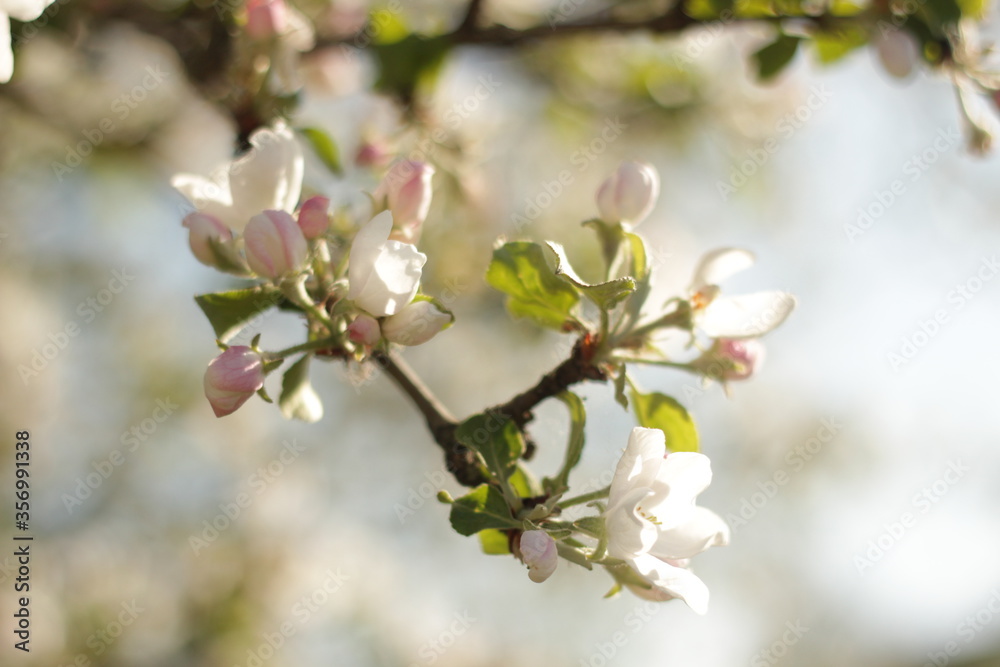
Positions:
(275, 245)
(539, 553)
(232, 378)
(629, 194)
(364, 330)
(313, 217)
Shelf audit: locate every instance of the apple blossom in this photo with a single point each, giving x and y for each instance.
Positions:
(269, 176)
(203, 230)
(232, 378)
(652, 522)
(266, 18)
(406, 189)
(416, 323)
(22, 10)
(384, 275)
(629, 194)
(731, 359)
(739, 317)
(897, 50)
(314, 219)
(275, 245)
(538, 551)
(364, 329)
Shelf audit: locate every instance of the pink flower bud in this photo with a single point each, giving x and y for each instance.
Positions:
(266, 18)
(313, 217)
(203, 230)
(407, 191)
(371, 154)
(897, 50)
(364, 329)
(730, 359)
(275, 244)
(232, 378)
(629, 194)
(416, 323)
(538, 551)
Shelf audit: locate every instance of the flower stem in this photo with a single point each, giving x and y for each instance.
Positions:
(585, 498)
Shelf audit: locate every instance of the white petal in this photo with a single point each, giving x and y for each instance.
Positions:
(639, 464)
(365, 249)
(210, 197)
(717, 265)
(681, 478)
(6, 54)
(702, 530)
(269, 177)
(747, 315)
(628, 533)
(25, 10)
(671, 582)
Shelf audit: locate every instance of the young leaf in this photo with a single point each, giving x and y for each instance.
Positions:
(481, 509)
(229, 312)
(775, 56)
(574, 448)
(520, 270)
(833, 45)
(298, 399)
(495, 439)
(605, 295)
(620, 381)
(657, 410)
(494, 542)
(324, 147)
(524, 483)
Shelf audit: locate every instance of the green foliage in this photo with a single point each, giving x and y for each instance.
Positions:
(604, 295)
(404, 64)
(832, 45)
(481, 509)
(229, 312)
(656, 410)
(519, 270)
(774, 57)
(496, 439)
(298, 399)
(574, 448)
(325, 148)
(494, 542)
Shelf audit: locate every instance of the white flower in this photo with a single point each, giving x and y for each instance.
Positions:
(652, 522)
(415, 324)
(22, 10)
(269, 177)
(384, 275)
(629, 194)
(738, 317)
(538, 551)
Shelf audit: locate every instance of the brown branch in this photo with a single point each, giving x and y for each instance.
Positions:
(472, 14)
(460, 460)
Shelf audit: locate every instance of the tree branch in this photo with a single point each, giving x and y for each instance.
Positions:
(472, 14)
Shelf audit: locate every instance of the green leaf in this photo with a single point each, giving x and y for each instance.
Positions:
(229, 312)
(520, 270)
(605, 295)
(495, 438)
(298, 399)
(481, 509)
(658, 410)
(620, 381)
(775, 56)
(324, 147)
(944, 11)
(833, 45)
(404, 64)
(494, 542)
(574, 448)
(592, 525)
(524, 483)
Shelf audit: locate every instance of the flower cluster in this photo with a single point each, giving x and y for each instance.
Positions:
(248, 222)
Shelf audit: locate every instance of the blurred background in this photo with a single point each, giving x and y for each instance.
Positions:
(860, 470)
